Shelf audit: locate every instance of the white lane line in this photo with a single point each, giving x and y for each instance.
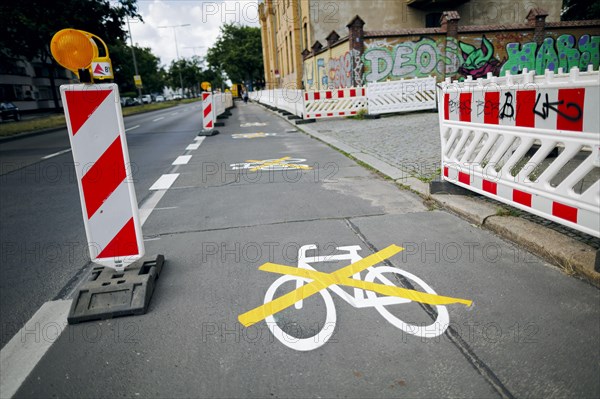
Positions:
(165, 181)
(150, 204)
(182, 160)
(157, 119)
(132, 127)
(56, 153)
(199, 139)
(152, 239)
(23, 352)
(193, 146)
(174, 113)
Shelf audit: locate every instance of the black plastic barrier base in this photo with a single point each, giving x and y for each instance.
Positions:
(211, 132)
(305, 121)
(110, 293)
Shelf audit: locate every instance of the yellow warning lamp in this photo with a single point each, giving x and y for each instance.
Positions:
(77, 51)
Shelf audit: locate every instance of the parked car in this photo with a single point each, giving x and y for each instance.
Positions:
(146, 98)
(176, 96)
(9, 110)
(160, 99)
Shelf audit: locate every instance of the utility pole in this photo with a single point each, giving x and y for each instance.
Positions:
(177, 50)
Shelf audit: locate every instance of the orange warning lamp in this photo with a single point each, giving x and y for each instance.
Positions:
(77, 51)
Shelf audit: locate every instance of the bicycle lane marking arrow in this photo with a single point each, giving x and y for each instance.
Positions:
(285, 301)
(413, 295)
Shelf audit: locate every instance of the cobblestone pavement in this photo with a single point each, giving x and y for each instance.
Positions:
(410, 142)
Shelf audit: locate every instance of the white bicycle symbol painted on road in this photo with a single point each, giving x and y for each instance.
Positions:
(284, 163)
(318, 282)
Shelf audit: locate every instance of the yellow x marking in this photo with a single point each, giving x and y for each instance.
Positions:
(275, 162)
(339, 277)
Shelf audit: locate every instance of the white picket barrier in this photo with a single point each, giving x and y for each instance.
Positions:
(265, 97)
(290, 100)
(401, 95)
(221, 102)
(334, 103)
(529, 141)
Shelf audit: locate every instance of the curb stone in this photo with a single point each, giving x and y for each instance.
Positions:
(572, 256)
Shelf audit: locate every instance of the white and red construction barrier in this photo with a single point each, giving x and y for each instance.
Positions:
(208, 111)
(334, 103)
(101, 158)
(532, 142)
(213, 105)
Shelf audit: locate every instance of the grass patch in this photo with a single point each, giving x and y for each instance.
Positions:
(58, 120)
(507, 212)
(429, 178)
(361, 114)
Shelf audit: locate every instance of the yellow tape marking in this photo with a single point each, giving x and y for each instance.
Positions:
(276, 162)
(389, 290)
(285, 301)
(339, 277)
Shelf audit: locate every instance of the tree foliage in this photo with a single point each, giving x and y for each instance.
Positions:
(26, 27)
(574, 10)
(192, 74)
(238, 52)
(149, 68)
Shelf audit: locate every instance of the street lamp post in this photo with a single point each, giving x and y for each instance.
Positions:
(135, 68)
(177, 49)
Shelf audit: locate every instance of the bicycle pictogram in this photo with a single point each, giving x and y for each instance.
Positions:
(309, 281)
(285, 163)
(252, 135)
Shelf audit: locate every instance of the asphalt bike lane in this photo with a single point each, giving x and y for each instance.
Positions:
(262, 195)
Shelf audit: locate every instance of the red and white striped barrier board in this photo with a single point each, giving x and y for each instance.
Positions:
(108, 201)
(334, 103)
(532, 142)
(208, 111)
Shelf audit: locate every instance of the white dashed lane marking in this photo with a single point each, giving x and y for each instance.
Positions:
(56, 154)
(182, 160)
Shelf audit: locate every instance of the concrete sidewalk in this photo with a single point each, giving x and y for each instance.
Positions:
(406, 148)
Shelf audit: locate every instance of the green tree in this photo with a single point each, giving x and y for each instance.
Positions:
(153, 74)
(238, 52)
(26, 27)
(574, 10)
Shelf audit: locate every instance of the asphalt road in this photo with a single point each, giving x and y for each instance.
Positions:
(42, 237)
(530, 332)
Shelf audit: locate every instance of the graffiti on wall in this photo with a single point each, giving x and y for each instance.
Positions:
(477, 62)
(410, 59)
(471, 55)
(566, 53)
(340, 71)
(334, 72)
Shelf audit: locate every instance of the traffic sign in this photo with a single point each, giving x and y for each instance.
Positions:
(102, 69)
(138, 81)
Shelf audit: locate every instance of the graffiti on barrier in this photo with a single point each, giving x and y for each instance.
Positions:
(411, 59)
(477, 62)
(550, 55)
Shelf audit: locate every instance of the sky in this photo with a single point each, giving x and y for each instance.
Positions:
(204, 17)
